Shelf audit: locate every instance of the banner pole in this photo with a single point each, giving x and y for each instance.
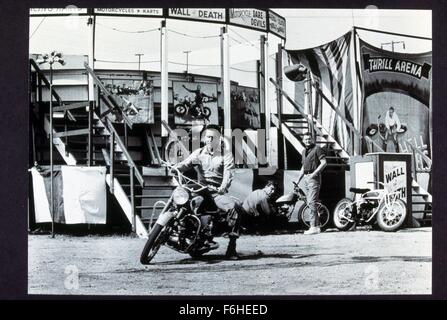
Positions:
(51, 152)
(91, 94)
(164, 76)
(226, 82)
(279, 101)
(264, 94)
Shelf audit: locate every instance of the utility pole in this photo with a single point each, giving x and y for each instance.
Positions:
(139, 59)
(187, 61)
(392, 43)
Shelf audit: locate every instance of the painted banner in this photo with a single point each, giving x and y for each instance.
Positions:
(330, 67)
(195, 102)
(251, 18)
(245, 108)
(149, 12)
(135, 97)
(210, 14)
(85, 194)
(396, 99)
(79, 195)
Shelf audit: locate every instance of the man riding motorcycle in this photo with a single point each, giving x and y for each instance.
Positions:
(213, 165)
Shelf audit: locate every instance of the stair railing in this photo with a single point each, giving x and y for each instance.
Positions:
(133, 169)
(304, 114)
(109, 99)
(425, 158)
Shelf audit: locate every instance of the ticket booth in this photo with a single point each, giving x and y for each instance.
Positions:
(393, 169)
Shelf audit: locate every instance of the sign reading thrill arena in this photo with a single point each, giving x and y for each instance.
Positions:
(251, 18)
(374, 64)
(217, 15)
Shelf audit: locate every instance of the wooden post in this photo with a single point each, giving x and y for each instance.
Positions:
(51, 152)
(226, 82)
(310, 108)
(281, 150)
(265, 105)
(132, 199)
(164, 76)
(112, 159)
(91, 93)
(90, 134)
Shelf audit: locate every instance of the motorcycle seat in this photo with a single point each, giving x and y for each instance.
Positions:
(359, 190)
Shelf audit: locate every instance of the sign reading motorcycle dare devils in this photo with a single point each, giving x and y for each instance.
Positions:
(253, 18)
(374, 64)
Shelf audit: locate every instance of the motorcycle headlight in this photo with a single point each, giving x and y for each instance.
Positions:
(180, 196)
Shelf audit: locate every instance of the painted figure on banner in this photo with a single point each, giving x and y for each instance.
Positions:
(134, 97)
(195, 103)
(244, 100)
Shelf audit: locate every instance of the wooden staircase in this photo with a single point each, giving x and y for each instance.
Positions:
(298, 124)
(131, 154)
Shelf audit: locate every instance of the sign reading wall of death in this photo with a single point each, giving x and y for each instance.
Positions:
(251, 18)
(158, 12)
(277, 24)
(217, 15)
(395, 177)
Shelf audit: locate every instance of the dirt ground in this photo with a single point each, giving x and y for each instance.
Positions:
(357, 262)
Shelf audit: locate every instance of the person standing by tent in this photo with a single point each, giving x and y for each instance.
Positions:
(313, 163)
(392, 125)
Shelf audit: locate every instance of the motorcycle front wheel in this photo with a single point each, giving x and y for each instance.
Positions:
(323, 213)
(343, 207)
(155, 240)
(180, 109)
(390, 218)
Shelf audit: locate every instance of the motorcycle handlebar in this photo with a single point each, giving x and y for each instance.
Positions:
(376, 182)
(181, 176)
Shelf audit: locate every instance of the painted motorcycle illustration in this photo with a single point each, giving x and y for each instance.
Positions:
(187, 107)
(380, 128)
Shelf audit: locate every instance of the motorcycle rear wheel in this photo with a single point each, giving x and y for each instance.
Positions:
(323, 213)
(391, 220)
(340, 222)
(153, 243)
(206, 112)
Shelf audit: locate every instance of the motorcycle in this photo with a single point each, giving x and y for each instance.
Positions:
(389, 210)
(178, 226)
(188, 107)
(286, 205)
